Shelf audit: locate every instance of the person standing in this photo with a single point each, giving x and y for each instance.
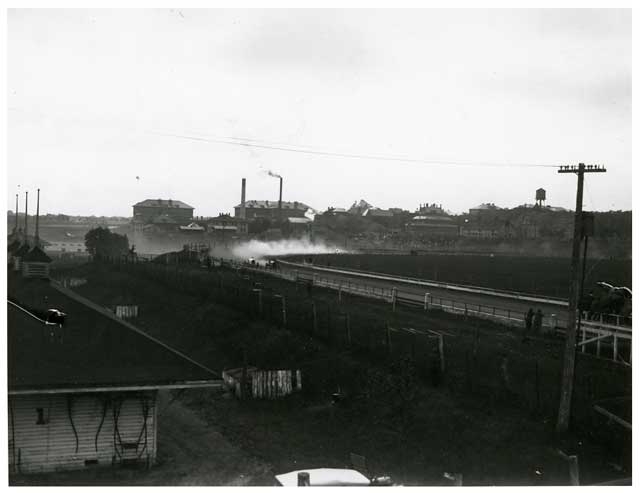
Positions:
(528, 319)
(537, 322)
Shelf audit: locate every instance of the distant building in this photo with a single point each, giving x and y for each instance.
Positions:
(358, 208)
(483, 209)
(337, 211)
(480, 233)
(192, 228)
(68, 248)
(159, 211)
(225, 224)
(268, 209)
(428, 209)
(297, 225)
(437, 225)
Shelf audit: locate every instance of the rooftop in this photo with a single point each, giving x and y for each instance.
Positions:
(90, 350)
(177, 204)
(273, 204)
(36, 255)
(299, 220)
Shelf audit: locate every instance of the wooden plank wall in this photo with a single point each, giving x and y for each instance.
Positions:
(52, 446)
(272, 384)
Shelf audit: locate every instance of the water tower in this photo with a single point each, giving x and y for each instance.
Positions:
(541, 196)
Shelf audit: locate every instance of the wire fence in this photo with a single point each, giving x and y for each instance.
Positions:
(471, 363)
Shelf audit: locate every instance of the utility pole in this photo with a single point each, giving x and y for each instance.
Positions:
(566, 390)
(16, 228)
(26, 217)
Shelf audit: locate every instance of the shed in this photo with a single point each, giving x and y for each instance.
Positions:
(82, 391)
(35, 263)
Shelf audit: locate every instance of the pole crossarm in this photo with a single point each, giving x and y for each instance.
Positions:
(589, 168)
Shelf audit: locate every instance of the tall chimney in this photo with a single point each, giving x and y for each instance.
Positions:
(38, 218)
(280, 202)
(26, 216)
(16, 228)
(243, 199)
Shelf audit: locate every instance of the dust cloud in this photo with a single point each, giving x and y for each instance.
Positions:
(259, 249)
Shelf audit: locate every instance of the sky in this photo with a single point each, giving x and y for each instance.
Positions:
(106, 108)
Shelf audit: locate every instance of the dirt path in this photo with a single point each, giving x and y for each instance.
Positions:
(196, 454)
(190, 453)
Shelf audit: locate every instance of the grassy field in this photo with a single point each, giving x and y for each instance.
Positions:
(489, 416)
(540, 275)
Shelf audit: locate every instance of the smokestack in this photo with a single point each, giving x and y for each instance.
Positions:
(280, 202)
(26, 216)
(16, 228)
(243, 197)
(38, 218)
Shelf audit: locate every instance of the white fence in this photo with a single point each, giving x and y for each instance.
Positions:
(126, 311)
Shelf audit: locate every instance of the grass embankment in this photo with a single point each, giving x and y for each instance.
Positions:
(475, 421)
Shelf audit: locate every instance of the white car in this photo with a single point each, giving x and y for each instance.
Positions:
(330, 477)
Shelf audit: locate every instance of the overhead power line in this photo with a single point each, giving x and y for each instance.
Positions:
(251, 143)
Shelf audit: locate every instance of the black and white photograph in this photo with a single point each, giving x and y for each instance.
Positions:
(322, 246)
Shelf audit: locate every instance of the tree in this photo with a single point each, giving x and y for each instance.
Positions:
(101, 243)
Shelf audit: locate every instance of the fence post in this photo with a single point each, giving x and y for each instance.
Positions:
(413, 345)
(441, 352)
(426, 301)
(615, 347)
(314, 326)
(348, 323)
(394, 297)
(259, 291)
(243, 380)
(584, 338)
(388, 329)
(574, 472)
(537, 388)
(284, 312)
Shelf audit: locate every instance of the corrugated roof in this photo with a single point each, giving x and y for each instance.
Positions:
(163, 203)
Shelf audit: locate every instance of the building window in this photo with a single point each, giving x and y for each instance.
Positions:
(41, 419)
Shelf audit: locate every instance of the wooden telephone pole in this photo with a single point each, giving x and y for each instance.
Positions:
(566, 390)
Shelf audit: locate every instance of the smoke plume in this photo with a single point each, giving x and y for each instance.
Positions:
(260, 249)
(275, 175)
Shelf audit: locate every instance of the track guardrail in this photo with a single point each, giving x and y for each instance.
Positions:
(434, 284)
